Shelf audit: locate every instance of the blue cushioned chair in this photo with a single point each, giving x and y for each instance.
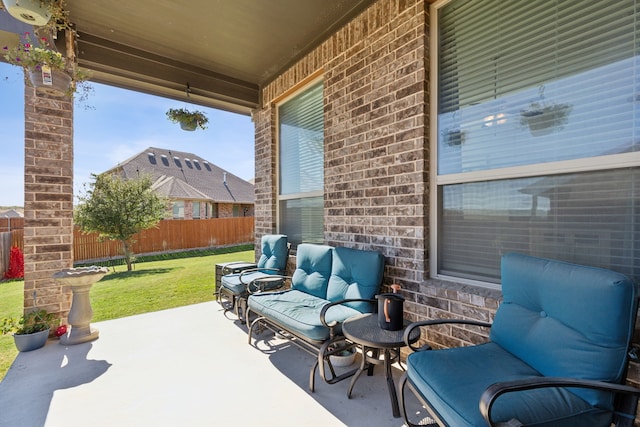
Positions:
(264, 276)
(329, 285)
(557, 355)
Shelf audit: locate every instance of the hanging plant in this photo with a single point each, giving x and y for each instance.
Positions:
(189, 120)
(46, 67)
(542, 117)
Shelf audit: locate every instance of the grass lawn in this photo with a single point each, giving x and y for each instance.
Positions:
(151, 286)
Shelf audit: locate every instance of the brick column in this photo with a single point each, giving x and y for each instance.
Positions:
(265, 165)
(48, 200)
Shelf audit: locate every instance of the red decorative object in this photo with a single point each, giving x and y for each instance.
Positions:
(61, 330)
(16, 264)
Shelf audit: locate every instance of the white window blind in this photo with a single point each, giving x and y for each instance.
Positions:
(528, 86)
(301, 166)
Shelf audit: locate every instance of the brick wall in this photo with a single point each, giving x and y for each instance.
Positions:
(48, 200)
(225, 210)
(374, 73)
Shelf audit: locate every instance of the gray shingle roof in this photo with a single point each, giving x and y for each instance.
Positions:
(181, 175)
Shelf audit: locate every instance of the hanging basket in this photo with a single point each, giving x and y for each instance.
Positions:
(190, 126)
(50, 82)
(33, 12)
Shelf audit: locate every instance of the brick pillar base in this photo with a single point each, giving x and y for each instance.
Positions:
(48, 200)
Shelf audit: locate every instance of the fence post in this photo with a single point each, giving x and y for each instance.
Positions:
(5, 249)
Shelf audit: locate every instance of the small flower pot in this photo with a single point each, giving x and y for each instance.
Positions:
(55, 84)
(28, 342)
(345, 358)
(33, 12)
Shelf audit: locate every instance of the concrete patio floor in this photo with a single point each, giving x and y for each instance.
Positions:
(189, 366)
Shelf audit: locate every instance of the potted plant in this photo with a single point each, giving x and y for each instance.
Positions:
(46, 67)
(31, 330)
(344, 355)
(189, 120)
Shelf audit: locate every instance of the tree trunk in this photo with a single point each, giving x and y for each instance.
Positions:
(127, 254)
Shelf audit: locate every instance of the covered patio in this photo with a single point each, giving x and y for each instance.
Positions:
(397, 168)
(189, 366)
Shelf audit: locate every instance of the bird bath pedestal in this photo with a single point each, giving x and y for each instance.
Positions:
(80, 280)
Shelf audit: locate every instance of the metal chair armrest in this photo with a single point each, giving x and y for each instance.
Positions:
(326, 308)
(626, 406)
(253, 270)
(228, 268)
(257, 285)
(408, 331)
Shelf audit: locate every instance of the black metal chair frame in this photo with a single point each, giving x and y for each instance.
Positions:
(320, 349)
(238, 302)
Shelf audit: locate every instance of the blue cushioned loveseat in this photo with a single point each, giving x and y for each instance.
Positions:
(559, 325)
(329, 285)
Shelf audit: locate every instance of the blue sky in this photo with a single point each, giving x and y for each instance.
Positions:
(118, 125)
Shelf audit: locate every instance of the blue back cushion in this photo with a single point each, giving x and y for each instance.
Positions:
(274, 252)
(355, 273)
(313, 268)
(566, 320)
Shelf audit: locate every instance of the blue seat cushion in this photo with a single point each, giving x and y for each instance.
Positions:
(232, 283)
(355, 274)
(313, 269)
(274, 252)
(299, 312)
(452, 381)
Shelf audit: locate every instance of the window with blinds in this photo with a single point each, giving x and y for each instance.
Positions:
(537, 133)
(301, 166)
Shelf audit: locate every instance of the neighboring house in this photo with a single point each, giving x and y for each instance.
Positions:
(197, 188)
(11, 213)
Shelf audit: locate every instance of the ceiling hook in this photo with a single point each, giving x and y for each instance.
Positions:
(188, 90)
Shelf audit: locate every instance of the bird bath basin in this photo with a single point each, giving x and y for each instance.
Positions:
(80, 280)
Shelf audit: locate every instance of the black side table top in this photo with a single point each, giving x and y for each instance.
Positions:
(363, 329)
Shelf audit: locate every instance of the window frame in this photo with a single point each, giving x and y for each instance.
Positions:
(176, 203)
(312, 80)
(605, 162)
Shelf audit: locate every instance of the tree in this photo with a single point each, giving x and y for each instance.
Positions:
(118, 208)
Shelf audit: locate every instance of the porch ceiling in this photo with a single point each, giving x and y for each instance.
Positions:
(224, 49)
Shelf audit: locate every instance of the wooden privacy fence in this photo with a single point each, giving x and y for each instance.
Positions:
(170, 235)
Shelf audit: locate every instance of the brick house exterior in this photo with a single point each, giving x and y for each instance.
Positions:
(376, 74)
(376, 158)
(376, 77)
